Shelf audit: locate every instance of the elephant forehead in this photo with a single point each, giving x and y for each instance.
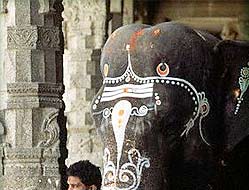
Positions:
(149, 46)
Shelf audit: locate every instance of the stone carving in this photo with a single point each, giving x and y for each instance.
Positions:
(3, 6)
(34, 94)
(32, 102)
(49, 38)
(50, 159)
(15, 153)
(50, 183)
(88, 142)
(22, 37)
(74, 12)
(33, 37)
(28, 162)
(33, 183)
(1, 129)
(31, 162)
(20, 89)
(1, 162)
(50, 127)
(46, 6)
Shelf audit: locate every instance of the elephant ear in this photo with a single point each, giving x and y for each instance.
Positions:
(233, 57)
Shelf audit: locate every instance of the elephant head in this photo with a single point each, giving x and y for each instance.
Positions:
(157, 110)
(234, 83)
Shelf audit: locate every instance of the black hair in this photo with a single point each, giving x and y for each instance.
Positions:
(88, 173)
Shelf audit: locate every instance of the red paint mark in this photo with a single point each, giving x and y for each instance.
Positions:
(108, 50)
(162, 69)
(133, 38)
(204, 108)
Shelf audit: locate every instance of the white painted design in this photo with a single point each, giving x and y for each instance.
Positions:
(127, 90)
(131, 86)
(129, 174)
(145, 95)
(142, 111)
(243, 84)
(202, 111)
(94, 106)
(107, 112)
(145, 90)
(199, 34)
(120, 116)
(158, 102)
(127, 79)
(124, 91)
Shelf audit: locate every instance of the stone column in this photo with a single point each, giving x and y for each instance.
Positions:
(3, 84)
(84, 31)
(3, 46)
(116, 16)
(128, 12)
(33, 73)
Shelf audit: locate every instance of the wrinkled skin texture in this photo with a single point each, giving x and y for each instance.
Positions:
(156, 81)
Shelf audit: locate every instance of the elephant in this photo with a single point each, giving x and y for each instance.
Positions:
(172, 104)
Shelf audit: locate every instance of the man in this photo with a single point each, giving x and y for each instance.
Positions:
(83, 175)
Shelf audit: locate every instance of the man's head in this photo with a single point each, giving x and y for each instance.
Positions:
(83, 175)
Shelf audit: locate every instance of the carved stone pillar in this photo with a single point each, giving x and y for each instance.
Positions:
(33, 72)
(84, 30)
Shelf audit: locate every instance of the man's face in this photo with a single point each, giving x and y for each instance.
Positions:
(75, 183)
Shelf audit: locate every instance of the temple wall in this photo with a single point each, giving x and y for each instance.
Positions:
(227, 19)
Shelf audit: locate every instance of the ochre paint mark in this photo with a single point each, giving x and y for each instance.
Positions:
(236, 92)
(106, 70)
(156, 32)
(133, 38)
(120, 121)
(121, 112)
(125, 90)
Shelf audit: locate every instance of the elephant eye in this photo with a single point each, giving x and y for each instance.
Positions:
(162, 69)
(106, 70)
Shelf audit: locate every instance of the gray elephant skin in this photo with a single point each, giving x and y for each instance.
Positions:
(172, 109)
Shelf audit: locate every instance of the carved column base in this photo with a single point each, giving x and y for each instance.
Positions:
(30, 183)
(30, 169)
